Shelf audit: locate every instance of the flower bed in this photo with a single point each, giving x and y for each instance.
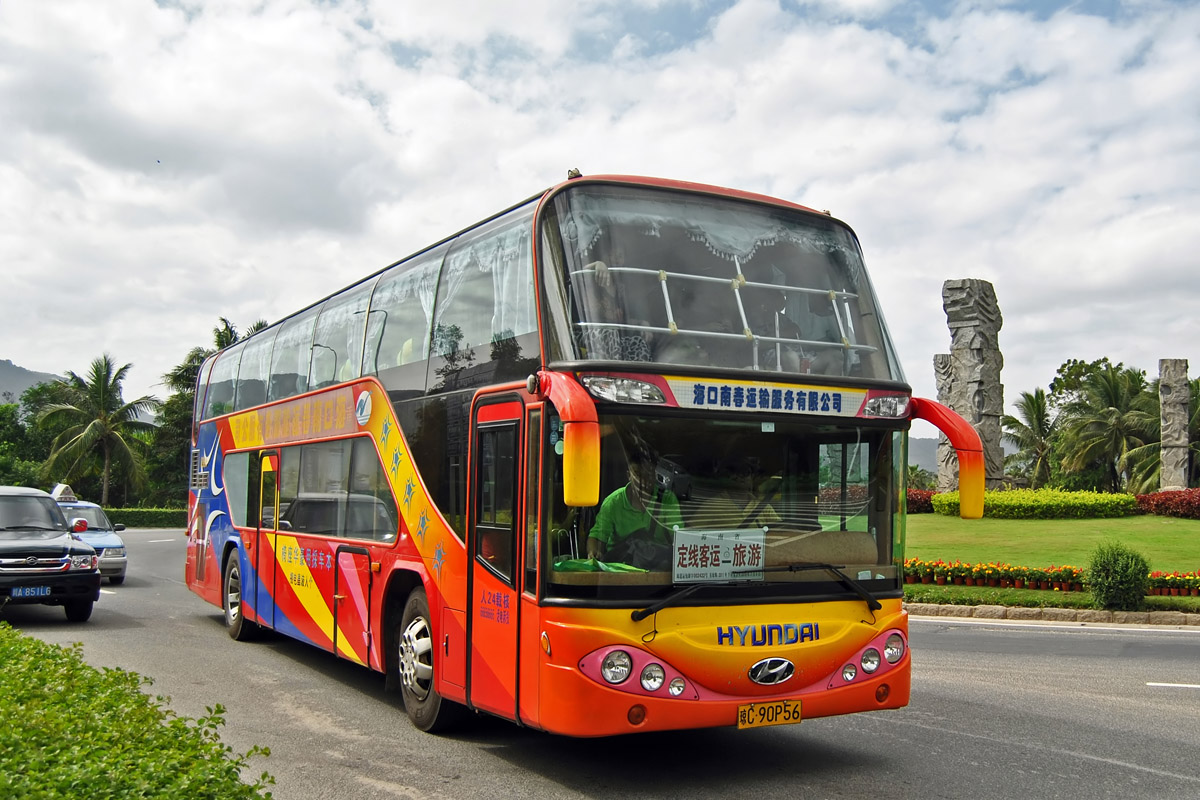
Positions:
(1065, 578)
(1175, 584)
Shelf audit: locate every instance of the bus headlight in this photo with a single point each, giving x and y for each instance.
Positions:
(616, 666)
(676, 687)
(622, 390)
(849, 672)
(893, 649)
(870, 660)
(653, 677)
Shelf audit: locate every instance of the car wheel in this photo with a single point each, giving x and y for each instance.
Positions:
(427, 709)
(238, 626)
(117, 580)
(78, 610)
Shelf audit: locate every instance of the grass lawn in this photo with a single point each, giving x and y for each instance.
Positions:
(1166, 542)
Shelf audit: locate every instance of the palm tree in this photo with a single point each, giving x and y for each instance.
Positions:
(1113, 416)
(101, 428)
(1032, 432)
(182, 378)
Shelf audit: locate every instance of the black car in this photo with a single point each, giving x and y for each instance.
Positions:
(41, 558)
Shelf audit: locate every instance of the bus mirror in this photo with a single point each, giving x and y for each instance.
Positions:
(581, 463)
(967, 445)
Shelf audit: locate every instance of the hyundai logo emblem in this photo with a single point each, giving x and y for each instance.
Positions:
(772, 671)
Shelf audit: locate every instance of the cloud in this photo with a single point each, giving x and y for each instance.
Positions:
(165, 164)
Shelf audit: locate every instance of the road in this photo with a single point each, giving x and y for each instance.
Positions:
(998, 710)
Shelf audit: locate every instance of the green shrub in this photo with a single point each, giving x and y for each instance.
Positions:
(1118, 577)
(73, 732)
(1043, 504)
(148, 517)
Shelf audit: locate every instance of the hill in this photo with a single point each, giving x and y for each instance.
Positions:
(15, 380)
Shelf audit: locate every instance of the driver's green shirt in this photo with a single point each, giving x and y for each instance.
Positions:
(617, 519)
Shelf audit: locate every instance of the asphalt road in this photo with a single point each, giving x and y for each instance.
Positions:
(998, 710)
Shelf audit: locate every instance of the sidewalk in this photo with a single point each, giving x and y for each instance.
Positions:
(1177, 618)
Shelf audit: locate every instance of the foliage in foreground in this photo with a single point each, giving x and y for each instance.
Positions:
(1118, 577)
(1043, 504)
(72, 732)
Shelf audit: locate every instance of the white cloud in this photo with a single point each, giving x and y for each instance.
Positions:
(161, 165)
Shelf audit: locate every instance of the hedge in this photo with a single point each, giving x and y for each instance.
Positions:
(148, 517)
(1043, 504)
(1180, 503)
(74, 732)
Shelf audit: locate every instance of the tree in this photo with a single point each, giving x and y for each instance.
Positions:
(100, 428)
(1032, 433)
(1111, 415)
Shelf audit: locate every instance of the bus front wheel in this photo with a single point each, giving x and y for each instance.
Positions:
(427, 709)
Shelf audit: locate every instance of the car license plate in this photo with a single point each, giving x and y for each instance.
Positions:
(31, 591)
(760, 715)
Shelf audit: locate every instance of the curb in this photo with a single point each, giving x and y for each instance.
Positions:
(1023, 614)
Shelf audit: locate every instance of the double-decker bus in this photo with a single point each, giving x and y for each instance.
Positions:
(627, 456)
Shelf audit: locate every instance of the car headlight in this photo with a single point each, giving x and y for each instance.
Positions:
(616, 666)
(893, 649)
(870, 660)
(114, 552)
(653, 677)
(84, 562)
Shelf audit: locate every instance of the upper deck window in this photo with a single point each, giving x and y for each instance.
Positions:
(687, 279)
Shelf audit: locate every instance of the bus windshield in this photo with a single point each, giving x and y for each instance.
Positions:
(652, 275)
(736, 506)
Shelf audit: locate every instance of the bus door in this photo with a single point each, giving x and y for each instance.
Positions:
(351, 633)
(492, 542)
(266, 509)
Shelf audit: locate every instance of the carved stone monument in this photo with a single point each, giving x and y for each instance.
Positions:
(1173, 395)
(968, 377)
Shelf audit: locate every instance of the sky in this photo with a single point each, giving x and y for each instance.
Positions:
(165, 164)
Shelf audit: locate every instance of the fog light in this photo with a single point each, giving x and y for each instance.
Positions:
(677, 686)
(616, 666)
(893, 649)
(653, 677)
(882, 692)
(849, 672)
(636, 715)
(870, 660)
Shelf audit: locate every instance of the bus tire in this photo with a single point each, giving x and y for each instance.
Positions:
(240, 629)
(414, 643)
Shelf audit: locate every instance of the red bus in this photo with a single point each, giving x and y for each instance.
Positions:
(627, 456)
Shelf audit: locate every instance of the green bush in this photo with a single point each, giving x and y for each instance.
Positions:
(148, 517)
(1118, 577)
(1043, 504)
(72, 732)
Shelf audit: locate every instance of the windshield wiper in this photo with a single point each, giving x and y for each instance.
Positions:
(670, 599)
(842, 577)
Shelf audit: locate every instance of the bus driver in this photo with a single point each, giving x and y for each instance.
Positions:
(635, 523)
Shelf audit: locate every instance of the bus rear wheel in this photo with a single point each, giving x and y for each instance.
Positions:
(427, 709)
(240, 629)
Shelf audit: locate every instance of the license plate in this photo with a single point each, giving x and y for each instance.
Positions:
(31, 591)
(760, 715)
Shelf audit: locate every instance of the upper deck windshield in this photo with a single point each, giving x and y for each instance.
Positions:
(730, 510)
(655, 275)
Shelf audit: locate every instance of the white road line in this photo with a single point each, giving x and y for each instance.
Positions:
(1176, 685)
(155, 541)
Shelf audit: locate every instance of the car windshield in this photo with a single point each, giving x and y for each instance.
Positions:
(96, 518)
(735, 510)
(30, 513)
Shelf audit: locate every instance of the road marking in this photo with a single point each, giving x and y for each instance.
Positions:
(1176, 685)
(156, 541)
